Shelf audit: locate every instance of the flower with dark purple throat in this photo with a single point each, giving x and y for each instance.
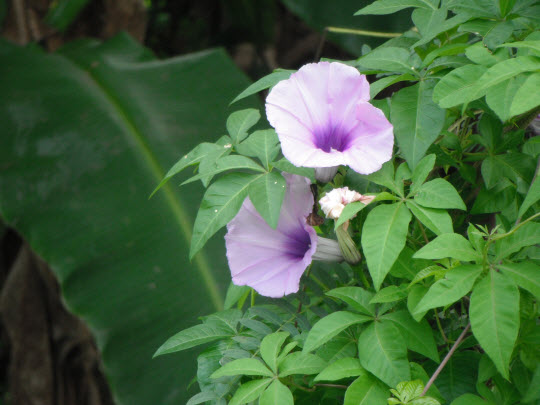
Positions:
(272, 261)
(323, 119)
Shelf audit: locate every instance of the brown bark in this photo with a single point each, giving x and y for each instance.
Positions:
(53, 359)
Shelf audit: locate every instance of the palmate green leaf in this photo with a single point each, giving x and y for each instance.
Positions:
(207, 166)
(501, 72)
(382, 7)
(533, 392)
(381, 84)
(239, 123)
(457, 86)
(405, 266)
(527, 235)
(330, 326)
(415, 296)
(407, 391)
(534, 45)
(235, 294)
(439, 193)
(103, 122)
(513, 165)
(527, 96)
(285, 166)
(277, 394)
(431, 23)
(481, 55)
(418, 335)
(417, 120)
(270, 348)
(228, 318)
(192, 158)
(267, 193)
(349, 212)
(301, 363)
(385, 177)
(341, 368)
(494, 314)
(390, 294)
(456, 283)
(500, 97)
(220, 204)
(202, 397)
(226, 163)
(356, 297)
(249, 391)
(525, 274)
(499, 34)
(383, 352)
(429, 271)
(468, 399)
(445, 50)
(388, 59)
(265, 83)
(366, 390)
(449, 245)
(505, 6)
(243, 367)
(383, 238)
(532, 197)
(194, 336)
(263, 144)
(338, 348)
(436, 220)
(421, 172)
(496, 199)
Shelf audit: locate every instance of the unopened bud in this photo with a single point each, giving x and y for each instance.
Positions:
(348, 247)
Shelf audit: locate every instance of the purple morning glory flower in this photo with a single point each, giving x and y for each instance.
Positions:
(323, 119)
(272, 260)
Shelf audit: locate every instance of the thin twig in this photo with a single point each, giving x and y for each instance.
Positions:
(22, 30)
(443, 363)
(340, 30)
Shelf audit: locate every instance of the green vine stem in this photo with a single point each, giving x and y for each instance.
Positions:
(339, 30)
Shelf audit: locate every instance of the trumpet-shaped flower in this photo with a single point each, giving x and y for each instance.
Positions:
(323, 119)
(272, 261)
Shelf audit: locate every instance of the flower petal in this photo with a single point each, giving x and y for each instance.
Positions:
(272, 261)
(317, 114)
(372, 140)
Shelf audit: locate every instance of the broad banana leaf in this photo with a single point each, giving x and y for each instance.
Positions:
(85, 136)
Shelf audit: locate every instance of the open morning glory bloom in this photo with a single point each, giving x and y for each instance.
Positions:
(323, 118)
(272, 261)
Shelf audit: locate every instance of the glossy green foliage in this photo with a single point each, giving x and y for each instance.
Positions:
(87, 133)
